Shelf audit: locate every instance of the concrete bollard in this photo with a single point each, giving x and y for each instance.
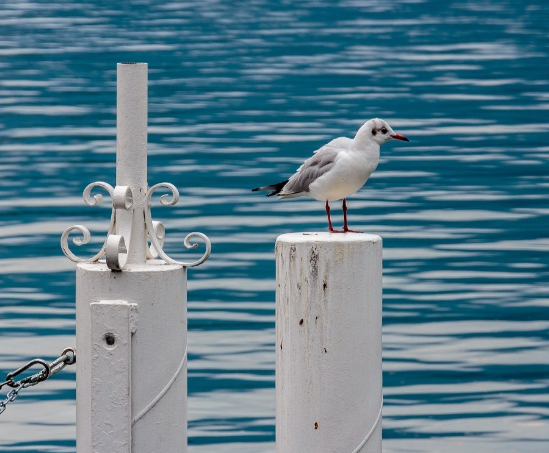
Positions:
(328, 343)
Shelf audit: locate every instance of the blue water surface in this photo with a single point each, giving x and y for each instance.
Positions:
(239, 94)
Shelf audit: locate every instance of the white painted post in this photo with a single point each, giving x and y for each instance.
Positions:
(131, 154)
(131, 308)
(328, 343)
(158, 365)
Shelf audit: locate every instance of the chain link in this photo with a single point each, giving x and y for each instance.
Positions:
(67, 357)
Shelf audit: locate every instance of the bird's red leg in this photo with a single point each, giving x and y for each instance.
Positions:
(345, 226)
(330, 227)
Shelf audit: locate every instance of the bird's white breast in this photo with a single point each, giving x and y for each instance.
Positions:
(350, 172)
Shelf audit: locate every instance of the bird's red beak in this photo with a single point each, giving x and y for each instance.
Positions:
(400, 137)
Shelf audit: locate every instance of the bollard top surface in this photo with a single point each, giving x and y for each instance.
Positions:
(328, 237)
(132, 63)
(149, 266)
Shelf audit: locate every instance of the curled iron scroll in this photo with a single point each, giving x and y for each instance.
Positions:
(156, 230)
(122, 199)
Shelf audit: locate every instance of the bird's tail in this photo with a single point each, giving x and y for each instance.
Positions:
(274, 188)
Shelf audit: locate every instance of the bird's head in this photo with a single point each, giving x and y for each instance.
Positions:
(378, 131)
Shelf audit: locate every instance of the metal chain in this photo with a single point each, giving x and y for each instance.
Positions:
(67, 357)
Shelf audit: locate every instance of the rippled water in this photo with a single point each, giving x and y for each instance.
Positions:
(240, 93)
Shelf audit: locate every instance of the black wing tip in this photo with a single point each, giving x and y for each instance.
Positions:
(275, 188)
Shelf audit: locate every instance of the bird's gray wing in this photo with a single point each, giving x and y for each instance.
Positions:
(313, 168)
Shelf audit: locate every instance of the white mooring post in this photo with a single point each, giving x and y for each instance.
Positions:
(131, 308)
(328, 343)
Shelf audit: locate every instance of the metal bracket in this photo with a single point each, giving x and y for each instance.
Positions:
(112, 322)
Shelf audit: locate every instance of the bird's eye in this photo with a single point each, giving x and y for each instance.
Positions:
(383, 130)
(374, 132)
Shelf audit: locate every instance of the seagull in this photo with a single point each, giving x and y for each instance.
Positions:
(338, 169)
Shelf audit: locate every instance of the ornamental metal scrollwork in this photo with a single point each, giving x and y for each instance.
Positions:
(114, 248)
(156, 231)
(121, 198)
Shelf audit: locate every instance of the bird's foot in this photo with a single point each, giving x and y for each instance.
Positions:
(344, 230)
(347, 230)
